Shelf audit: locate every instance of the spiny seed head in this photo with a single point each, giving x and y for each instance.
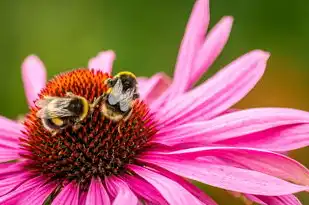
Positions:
(97, 148)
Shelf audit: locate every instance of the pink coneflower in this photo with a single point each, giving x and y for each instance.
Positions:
(174, 134)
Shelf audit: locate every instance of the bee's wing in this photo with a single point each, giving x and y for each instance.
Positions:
(126, 100)
(56, 107)
(44, 102)
(115, 95)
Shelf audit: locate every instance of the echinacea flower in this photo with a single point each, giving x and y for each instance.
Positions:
(175, 133)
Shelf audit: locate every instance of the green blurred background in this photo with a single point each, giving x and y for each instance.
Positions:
(146, 35)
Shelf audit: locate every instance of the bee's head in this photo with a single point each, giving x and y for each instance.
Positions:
(76, 106)
(128, 80)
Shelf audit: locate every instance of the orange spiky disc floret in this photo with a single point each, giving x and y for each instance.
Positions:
(96, 148)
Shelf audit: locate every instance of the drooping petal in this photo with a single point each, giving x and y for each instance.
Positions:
(8, 154)
(97, 193)
(11, 169)
(152, 88)
(10, 182)
(279, 139)
(10, 127)
(21, 191)
(121, 191)
(201, 195)
(173, 192)
(103, 61)
(69, 195)
(219, 93)
(82, 197)
(125, 196)
(38, 195)
(212, 47)
(244, 127)
(201, 118)
(144, 190)
(226, 177)
(10, 132)
(280, 200)
(191, 44)
(34, 77)
(259, 160)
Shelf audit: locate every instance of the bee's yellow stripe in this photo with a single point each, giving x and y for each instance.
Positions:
(57, 121)
(125, 73)
(85, 108)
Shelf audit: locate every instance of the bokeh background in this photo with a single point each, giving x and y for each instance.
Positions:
(146, 36)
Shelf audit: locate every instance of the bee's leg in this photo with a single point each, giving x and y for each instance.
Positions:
(96, 102)
(76, 126)
(128, 115)
(54, 133)
(120, 124)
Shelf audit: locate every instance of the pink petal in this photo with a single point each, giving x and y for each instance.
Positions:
(124, 197)
(121, 191)
(82, 197)
(243, 128)
(34, 77)
(10, 132)
(151, 89)
(144, 190)
(8, 154)
(142, 80)
(202, 118)
(212, 47)
(201, 195)
(10, 127)
(259, 160)
(190, 45)
(226, 177)
(69, 195)
(218, 93)
(4, 166)
(103, 61)
(173, 192)
(97, 193)
(38, 195)
(11, 182)
(280, 200)
(21, 191)
(279, 139)
(11, 169)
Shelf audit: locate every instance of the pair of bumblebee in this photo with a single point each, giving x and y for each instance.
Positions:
(57, 113)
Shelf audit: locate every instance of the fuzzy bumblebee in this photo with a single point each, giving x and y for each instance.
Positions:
(120, 96)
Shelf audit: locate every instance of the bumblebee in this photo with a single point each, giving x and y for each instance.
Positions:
(118, 100)
(59, 112)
